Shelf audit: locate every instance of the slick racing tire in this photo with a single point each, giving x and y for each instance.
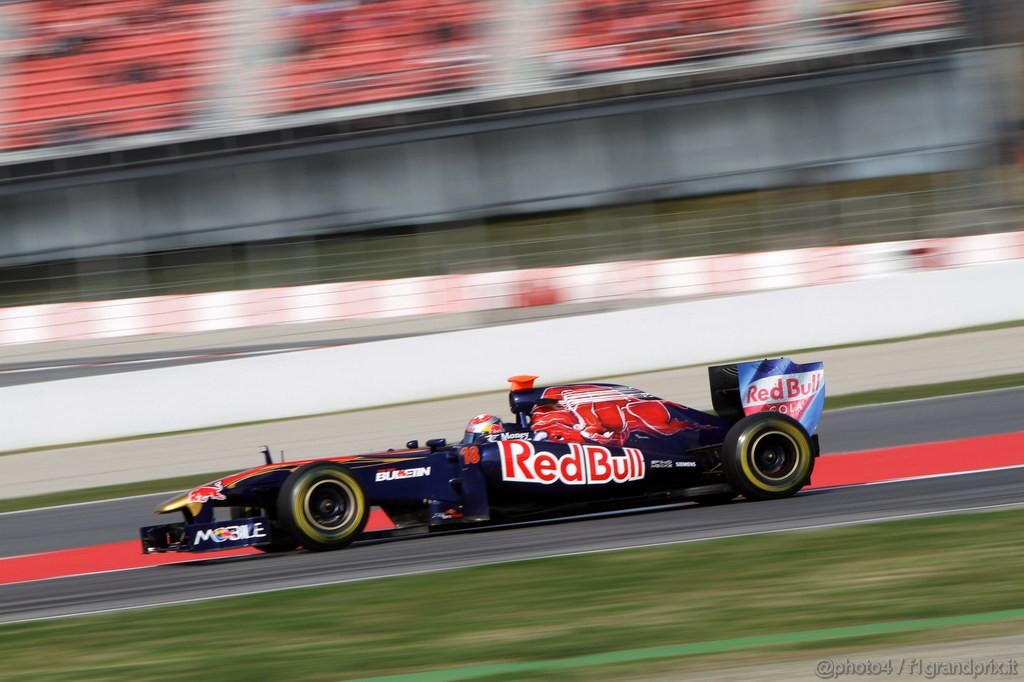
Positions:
(280, 539)
(323, 506)
(767, 456)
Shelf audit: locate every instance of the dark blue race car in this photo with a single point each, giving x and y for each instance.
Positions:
(569, 448)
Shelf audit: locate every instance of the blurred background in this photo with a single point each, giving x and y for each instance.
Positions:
(205, 206)
(155, 148)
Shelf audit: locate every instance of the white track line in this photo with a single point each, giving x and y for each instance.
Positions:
(83, 504)
(149, 361)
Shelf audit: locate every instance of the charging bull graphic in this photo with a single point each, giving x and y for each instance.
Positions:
(602, 414)
(205, 493)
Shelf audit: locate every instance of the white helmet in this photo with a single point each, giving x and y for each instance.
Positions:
(483, 425)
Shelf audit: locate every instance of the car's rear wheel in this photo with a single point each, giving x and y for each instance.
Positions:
(280, 539)
(323, 506)
(767, 456)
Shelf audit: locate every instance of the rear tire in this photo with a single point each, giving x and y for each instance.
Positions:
(280, 539)
(323, 506)
(767, 456)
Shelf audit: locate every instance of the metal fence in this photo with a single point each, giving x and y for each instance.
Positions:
(890, 209)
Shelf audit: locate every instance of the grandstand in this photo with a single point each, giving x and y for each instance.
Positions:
(86, 70)
(338, 54)
(173, 146)
(608, 35)
(860, 19)
(78, 71)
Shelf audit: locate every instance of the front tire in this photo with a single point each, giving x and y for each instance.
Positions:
(323, 506)
(767, 456)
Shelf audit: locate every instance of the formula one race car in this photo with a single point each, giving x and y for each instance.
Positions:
(570, 448)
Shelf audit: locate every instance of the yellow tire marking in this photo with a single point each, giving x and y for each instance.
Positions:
(803, 451)
(311, 531)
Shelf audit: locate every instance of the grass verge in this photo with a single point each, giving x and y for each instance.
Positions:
(559, 608)
(108, 492)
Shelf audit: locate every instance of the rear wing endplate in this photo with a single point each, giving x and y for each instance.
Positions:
(777, 385)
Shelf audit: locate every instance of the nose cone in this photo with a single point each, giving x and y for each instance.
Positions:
(174, 504)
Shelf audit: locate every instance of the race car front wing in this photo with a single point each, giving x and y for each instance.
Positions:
(205, 537)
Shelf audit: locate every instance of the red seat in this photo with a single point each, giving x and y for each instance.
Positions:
(52, 97)
(377, 55)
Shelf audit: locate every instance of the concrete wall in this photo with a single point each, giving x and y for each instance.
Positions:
(394, 371)
(911, 119)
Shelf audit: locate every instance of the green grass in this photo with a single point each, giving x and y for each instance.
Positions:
(181, 482)
(109, 492)
(556, 608)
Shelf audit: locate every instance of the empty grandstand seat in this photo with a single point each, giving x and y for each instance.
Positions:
(892, 16)
(606, 35)
(370, 52)
(96, 69)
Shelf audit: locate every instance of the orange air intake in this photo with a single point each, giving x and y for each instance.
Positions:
(521, 382)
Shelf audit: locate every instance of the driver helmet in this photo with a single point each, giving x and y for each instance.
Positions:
(483, 425)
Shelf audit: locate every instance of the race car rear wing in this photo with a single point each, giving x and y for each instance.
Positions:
(778, 385)
(725, 392)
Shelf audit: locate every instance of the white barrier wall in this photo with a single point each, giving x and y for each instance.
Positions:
(384, 372)
(638, 280)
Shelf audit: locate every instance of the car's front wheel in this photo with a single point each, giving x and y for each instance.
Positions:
(323, 506)
(767, 456)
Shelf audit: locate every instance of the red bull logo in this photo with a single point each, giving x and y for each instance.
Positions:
(785, 393)
(205, 493)
(582, 465)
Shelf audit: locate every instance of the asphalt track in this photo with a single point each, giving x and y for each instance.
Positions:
(251, 574)
(969, 415)
(841, 431)
(848, 430)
